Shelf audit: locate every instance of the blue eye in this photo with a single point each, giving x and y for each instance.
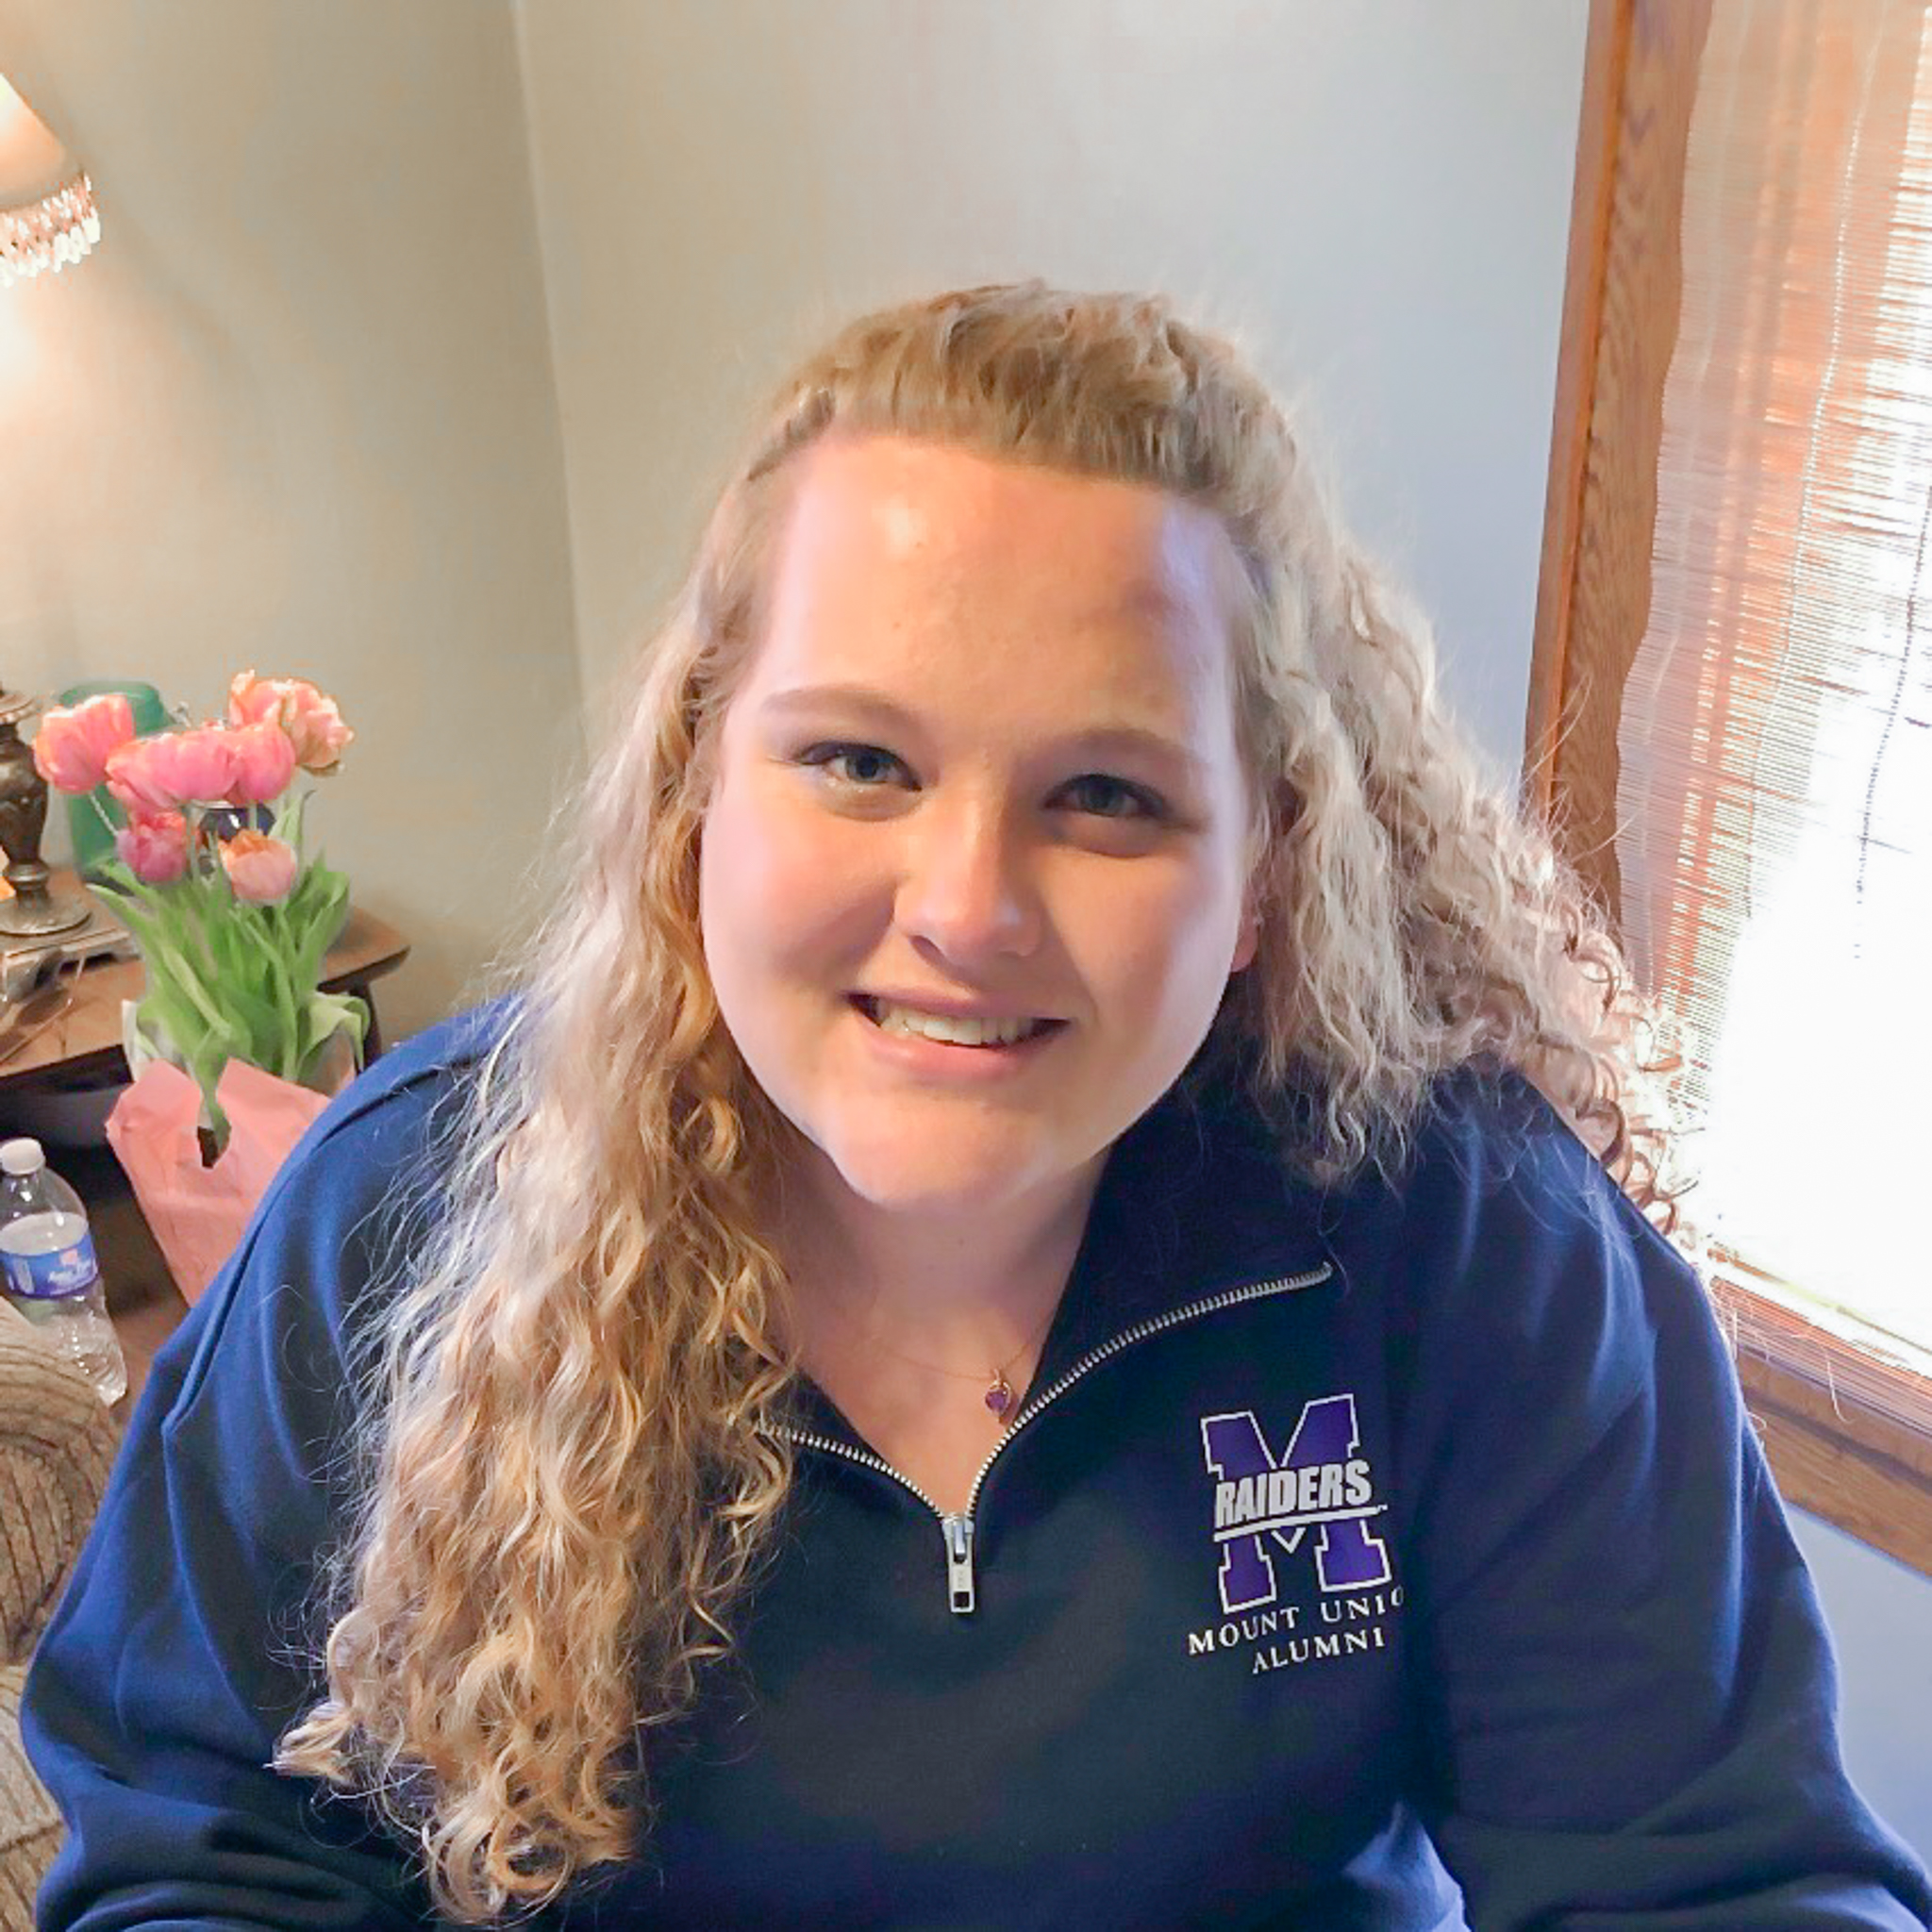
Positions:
(1114, 798)
(866, 767)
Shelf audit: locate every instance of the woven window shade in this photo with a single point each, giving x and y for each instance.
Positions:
(1774, 799)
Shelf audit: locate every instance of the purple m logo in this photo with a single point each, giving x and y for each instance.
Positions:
(1320, 1483)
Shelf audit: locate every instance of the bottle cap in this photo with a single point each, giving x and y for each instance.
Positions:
(21, 1156)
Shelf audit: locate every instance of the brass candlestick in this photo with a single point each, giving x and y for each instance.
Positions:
(33, 909)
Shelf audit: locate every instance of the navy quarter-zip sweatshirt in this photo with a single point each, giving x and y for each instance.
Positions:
(1346, 1541)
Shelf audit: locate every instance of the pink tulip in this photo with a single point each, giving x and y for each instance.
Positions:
(261, 870)
(312, 720)
(264, 763)
(154, 776)
(154, 849)
(73, 745)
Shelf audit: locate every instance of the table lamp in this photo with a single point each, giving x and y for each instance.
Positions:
(47, 221)
(48, 214)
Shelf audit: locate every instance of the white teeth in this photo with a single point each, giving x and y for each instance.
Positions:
(956, 1032)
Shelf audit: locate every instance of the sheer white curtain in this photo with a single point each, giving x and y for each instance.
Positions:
(1774, 803)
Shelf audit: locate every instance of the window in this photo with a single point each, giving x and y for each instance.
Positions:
(1731, 712)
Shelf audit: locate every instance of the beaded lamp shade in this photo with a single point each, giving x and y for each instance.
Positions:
(47, 215)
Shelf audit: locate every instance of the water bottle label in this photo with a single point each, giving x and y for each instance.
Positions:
(56, 1277)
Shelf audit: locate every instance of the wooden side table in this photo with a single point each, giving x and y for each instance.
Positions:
(84, 1040)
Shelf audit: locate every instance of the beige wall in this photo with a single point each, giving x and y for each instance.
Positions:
(296, 412)
(1376, 191)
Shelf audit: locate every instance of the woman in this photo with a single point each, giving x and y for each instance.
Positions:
(1003, 1333)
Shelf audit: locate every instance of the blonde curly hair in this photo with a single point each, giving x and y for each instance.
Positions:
(568, 1474)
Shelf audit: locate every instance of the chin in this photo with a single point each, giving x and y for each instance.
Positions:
(936, 1173)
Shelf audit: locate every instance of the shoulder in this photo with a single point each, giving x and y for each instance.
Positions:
(1481, 1146)
(1494, 1146)
(406, 1092)
(1498, 1238)
(1488, 1158)
(389, 1124)
(1491, 1135)
(381, 1143)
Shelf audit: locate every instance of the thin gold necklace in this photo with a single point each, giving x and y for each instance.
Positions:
(1000, 1395)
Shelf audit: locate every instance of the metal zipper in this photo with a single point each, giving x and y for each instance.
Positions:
(956, 1525)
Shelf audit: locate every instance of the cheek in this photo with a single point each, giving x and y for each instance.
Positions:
(776, 881)
(1164, 940)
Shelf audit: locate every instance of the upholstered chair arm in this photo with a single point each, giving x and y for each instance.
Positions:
(57, 1444)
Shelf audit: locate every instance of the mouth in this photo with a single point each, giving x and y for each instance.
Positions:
(971, 1035)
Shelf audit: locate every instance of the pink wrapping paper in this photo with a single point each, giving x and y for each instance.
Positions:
(197, 1213)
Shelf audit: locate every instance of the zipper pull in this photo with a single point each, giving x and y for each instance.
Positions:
(959, 1534)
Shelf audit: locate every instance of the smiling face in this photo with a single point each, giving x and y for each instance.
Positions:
(982, 763)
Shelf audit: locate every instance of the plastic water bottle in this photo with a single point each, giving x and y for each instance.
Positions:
(47, 1255)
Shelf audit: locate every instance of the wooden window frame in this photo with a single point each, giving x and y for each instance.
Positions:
(1849, 1436)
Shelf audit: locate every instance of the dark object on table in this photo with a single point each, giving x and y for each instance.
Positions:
(22, 813)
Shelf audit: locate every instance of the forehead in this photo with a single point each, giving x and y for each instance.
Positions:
(895, 554)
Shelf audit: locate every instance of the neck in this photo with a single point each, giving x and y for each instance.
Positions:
(964, 1292)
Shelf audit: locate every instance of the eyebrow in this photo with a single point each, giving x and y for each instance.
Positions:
(1096, 740)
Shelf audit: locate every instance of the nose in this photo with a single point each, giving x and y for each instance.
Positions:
(968, 890)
